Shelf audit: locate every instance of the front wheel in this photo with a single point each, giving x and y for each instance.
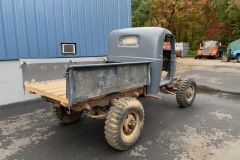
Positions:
(238, 58)
(187, 89)
(124, 123)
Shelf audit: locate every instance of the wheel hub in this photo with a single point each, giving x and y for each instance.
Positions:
(129, 124)
(190, 92)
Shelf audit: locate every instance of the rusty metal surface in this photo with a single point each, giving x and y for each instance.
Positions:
(129, 123)
(171, 87)
(89, 81)
(106, 99)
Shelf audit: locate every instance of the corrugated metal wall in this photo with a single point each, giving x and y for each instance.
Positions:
(36, 28)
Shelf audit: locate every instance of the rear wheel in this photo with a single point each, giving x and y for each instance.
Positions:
(124, 123)
(60, 114)
(186, 93)
(238, 58)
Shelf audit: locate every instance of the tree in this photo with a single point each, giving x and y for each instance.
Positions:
(184, 18)
(228, 13)
(140, 12)
(191, 20)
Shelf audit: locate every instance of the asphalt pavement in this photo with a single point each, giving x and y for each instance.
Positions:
(209, 129)
(224, 78)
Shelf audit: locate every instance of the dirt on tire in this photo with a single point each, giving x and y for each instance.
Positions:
(61, 115)
(115, 119)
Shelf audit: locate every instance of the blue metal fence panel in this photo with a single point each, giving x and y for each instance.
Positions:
(36, 28)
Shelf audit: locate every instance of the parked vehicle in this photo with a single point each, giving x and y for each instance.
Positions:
(108, 87)
(181, 48)
(233, 51)
(210, 49)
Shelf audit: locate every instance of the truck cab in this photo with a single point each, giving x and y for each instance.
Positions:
(145, 44)
(210, 49)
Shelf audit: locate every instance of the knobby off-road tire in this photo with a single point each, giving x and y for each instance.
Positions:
(186, 93)
(60, 114)
(124, 123)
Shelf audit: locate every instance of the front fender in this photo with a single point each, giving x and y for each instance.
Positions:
(235, 54)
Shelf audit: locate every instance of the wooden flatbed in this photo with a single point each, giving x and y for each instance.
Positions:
(54, 89)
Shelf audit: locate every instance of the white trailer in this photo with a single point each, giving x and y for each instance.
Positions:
(183, 47)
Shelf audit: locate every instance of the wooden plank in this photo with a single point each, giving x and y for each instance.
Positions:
(54, 89)
(63, 96)
(50, 90)
(50, 81)
(59, 93)
(45, 84)
(50, 95)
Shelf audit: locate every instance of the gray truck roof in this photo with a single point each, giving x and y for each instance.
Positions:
(150, 42)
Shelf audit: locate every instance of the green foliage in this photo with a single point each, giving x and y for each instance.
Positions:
(140, 13)
(228, 12)
(192, 52)
(191, 21)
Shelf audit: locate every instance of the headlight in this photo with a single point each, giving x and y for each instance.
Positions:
(234, 53)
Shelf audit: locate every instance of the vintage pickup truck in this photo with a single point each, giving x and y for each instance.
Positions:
(108, 87)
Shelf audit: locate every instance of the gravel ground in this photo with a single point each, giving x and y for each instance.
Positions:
(205, 62)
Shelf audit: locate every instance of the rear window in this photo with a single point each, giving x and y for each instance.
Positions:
(129, 41)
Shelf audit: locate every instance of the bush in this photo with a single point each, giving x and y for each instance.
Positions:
(192, 53)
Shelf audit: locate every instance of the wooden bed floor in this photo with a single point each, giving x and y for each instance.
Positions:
(54, 89)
